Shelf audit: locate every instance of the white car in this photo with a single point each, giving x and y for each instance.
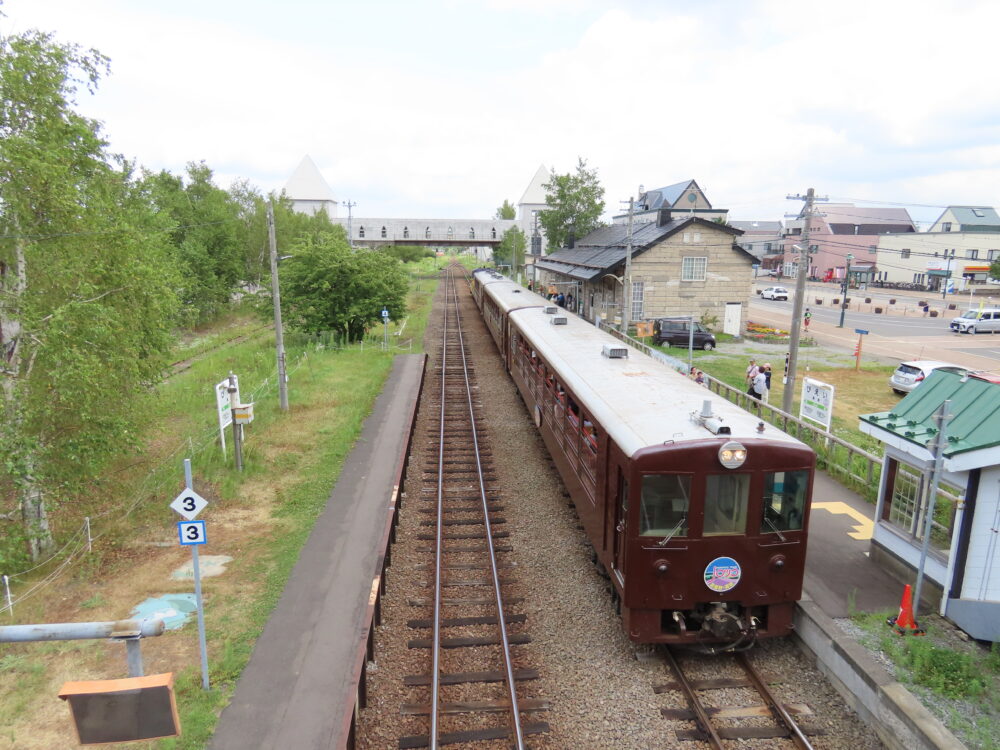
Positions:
(775, 292)
(911, 374)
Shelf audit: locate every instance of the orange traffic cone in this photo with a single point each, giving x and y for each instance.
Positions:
(904, 622)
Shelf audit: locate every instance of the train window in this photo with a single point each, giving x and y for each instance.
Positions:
(590, 436)
(784, 501)
(573, 413)
(726, 499)
(663, 510)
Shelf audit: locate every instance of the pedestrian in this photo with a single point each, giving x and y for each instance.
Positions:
(561, 299)
(767, 381)
(569, 301)
(752, 371)
(758, 388)
(699, 378)
(806, 318)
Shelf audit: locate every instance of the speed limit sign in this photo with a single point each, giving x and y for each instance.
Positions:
(191, 532)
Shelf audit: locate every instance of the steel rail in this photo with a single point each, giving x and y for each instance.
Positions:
(501, 619)
(436, 639)
(797, 737)
(700, 715)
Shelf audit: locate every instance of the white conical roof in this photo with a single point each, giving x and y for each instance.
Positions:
(307, 184)
(535, 193)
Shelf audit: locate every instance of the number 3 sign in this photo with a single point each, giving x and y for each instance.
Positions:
(191, 532)
(189, 504)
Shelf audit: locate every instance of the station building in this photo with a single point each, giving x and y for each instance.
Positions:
(962, 568)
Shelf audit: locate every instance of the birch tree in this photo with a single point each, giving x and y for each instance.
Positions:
(86, 289)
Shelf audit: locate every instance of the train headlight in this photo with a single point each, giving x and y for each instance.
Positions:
(732, 455)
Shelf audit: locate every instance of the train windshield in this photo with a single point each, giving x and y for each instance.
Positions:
(784, 501)
(663, 510)
(726, 500)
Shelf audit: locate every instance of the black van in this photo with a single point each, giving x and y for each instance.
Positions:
(676, 332)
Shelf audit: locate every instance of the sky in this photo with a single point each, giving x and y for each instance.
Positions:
(445, 108)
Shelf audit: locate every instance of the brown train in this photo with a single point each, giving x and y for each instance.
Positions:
(698, 510)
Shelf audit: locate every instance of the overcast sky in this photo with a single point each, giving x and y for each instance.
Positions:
(444, 108)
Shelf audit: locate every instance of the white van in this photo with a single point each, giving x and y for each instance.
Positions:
(986, 320)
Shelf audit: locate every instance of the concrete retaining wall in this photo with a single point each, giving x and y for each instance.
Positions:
(899, 719)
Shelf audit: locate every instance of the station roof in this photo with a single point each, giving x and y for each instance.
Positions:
(974, 409)
(604, 248)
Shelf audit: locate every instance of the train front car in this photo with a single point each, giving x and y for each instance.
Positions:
(698, 509)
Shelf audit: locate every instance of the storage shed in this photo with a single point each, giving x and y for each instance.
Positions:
(963, 564)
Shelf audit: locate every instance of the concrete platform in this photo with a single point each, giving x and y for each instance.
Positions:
(840, 578)
(299, 675)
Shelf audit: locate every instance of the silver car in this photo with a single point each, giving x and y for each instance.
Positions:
(911, 374)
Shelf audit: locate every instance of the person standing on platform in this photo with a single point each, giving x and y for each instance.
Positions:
(767, 382)
(752, 371)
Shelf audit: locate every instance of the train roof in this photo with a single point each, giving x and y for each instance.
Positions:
(639, 401)
(507, 294)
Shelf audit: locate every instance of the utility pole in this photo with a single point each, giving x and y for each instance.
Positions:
(846, 286)
(800, 293)
(279, 336)
(350, 234)
(627, 281)
(940, 444)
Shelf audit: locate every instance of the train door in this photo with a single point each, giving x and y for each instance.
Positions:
(620, 527)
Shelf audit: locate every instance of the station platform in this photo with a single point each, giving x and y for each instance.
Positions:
(300, 671)
(840, 577)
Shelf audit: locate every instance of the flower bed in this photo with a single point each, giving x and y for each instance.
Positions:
(758, 332)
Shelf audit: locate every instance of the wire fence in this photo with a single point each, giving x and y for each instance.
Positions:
(93, 528)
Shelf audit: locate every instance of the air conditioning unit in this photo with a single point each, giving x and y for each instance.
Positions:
(551, 310)
(558, 320)
(611, 351)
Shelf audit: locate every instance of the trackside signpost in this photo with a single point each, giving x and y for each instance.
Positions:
(223, 404)
(192, 533)
(385, 328)
(817, 402)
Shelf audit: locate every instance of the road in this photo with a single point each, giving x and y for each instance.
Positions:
(900, 332)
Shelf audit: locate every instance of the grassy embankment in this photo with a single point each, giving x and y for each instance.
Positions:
(260, 517)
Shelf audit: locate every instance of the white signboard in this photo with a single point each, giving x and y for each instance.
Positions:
(817, 402)
(192, 533)
(189, 504)
(225, 406)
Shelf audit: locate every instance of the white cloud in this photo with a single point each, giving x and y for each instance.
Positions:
(888, 100)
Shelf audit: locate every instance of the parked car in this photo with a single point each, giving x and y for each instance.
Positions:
(775, 292)
(677, 332)
(911, 374)
(976, 321)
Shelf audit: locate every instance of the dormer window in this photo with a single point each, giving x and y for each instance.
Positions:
(427, 233)
(406, 233)
(361, 232)
(472, 233)
(946, 226)
(383, 232)
(493, 233)
(451, 233)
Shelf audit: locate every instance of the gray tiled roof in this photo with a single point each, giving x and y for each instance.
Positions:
(665, 197)
(966, 216)
(604, 248)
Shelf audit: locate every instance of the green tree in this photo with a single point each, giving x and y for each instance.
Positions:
(86, 289)
(506, 211)
(326, 286)
(510, 251)
(207, 235)
(576, 202)
(994, 271)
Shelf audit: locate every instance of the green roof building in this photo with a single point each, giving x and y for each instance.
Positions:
(964, 561)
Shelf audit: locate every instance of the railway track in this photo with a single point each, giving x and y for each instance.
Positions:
(742, 721)
(469, 633)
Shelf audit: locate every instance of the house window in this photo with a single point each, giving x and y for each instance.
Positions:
(383, 232)
(972, 254)
(427, 233)
(472, 233)
(872, 249)
(693, 268)
(991, 255)
(946, 226)
(687, 237)
(697, 236)
(904, 253)
(406, 233)
(361, 232)
(906, 495)
(637, 297)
